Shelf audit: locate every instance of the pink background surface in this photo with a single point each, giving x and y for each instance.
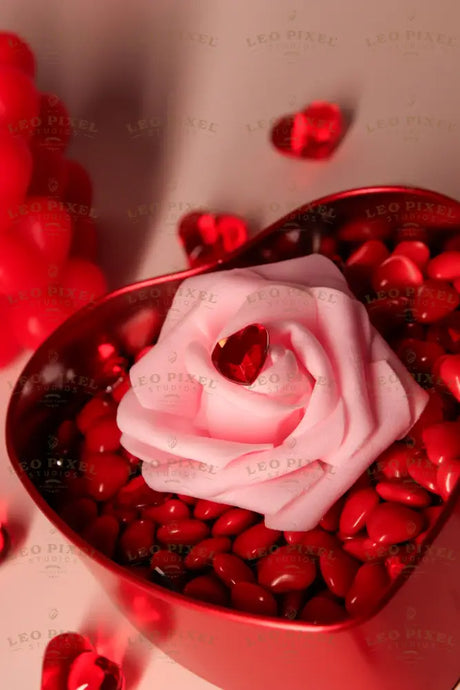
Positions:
(172, 104)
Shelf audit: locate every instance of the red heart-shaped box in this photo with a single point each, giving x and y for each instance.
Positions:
(410, 642)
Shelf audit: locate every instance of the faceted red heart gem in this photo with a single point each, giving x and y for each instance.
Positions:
(89, 671)
(241, 356)
(59, 654)
(312, 133)
(207, 237)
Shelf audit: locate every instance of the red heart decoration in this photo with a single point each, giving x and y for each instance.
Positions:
(71, 663)
(207, 237)
(312, 133)
(90, 671)
(241, 356)
(4, 542)
(60, 652)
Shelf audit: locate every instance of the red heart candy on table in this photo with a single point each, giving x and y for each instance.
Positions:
(59, 654)
(207, 237)
(312, 133)
(71, 663)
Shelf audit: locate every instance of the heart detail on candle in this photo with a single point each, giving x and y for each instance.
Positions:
(207, 237)
(241, 356)
(311, 133)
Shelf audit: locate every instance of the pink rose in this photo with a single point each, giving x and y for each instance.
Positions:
(330, 397)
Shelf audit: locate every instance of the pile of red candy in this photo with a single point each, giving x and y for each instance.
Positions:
(225, 555)
(48, 244)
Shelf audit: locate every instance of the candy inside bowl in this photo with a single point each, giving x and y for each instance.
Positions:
(207, 581)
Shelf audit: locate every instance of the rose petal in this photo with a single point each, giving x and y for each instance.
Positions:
(392, 419)
(417, 398)
(161, 430)
(209, 294)
(311, 270)
(270, 304)
(277, 493)
(349, 356)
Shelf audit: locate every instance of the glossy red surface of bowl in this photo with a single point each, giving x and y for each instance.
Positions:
(411, 640)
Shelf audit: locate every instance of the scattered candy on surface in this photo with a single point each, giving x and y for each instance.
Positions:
(312, 133)
(207, 237)
(71, 662)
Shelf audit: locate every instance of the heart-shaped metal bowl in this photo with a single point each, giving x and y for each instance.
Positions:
(410, 640)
